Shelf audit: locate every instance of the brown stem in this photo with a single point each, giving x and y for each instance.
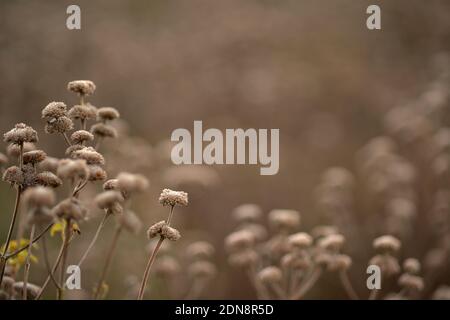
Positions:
(27, 265)
(348, 285)
(261, 290)
(29, 243)
(64, 258)
(66, 139)
(99, 143)
(109, 257)
(148, 267)
(307, 285)
(169, 218)
(97, 233)
(80, 187)
(47, 262)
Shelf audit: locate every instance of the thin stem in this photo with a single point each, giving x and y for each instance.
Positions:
(276, 287)
(348, 285)
(79, 188)
(99, 143)
(307, 285)
(27, 265)
(169, 218)
(8, 239)
(66, 139)
(83, 124)
(64, 258)
(109, 257)
(29, 243)
(148, 267)
(261, 290)
(47, 262)
(97, 233)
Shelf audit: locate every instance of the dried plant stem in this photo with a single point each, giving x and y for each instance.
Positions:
(8, 256)
(348, 285)
(97, 233)
(261, 290)
(307, 285)
(98, 143)
(169, 218)
(47, 262)
(62, 270)
(10, 231)
(109, 257)
(79, 187)
(149, 266)
(27, 265)
(66, 139)
(276, 287)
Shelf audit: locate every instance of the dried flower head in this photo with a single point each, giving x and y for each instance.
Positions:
(111, 184)
(130, 221)
(108, 199)
(70, 151)
(411, 282)
(104, 130)
(3, 160)
(14, 176)
(170, 233)
(387, 243)
(32, 289)
(54, 110)
(47, 179)
(155, 229)
(411, 266)
(58, 125)
(202, 269)
(270, 275)
(300, 240)
(333, 242)
(83, 112)
(239, 240)
(171, 198)
(259, 231)
(388, 264)
(442, 293)
(339, 262)
(82, 87)
(96, 173)
(39, 197)
(248, 212)
(107, 113)
(131, 183)
(282, 219)
(13, 150)
(71, 169)
(167, 266)
(244, 258)
(49, 164)
(70, 208)
(200, 250)
(34, 156)
(20, 134)
(81, 136)
(90, 155)
(323, 231)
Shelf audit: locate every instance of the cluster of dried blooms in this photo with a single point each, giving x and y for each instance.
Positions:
(34, 177)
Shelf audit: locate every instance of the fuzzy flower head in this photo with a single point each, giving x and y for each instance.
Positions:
(411, 282)
(83, 112)
(70, 208)
(130, 183)
(111, 184)
(248, 212)
(14, 176)
(47, 179)
(130, 221)
(172, 198)
(200, 250)
(300, 240)
(270, 275)
(49, 164)
(107, 114)
(96, 173)
(58, 125)
(82, 87)
(411, 266)
(109, 199)
(90, 155)
(39, 197)
(34, 156)
(20, 134)
(333, 242)
(71, 169)
(239, 240)
(283, 219)
(54, 110)
(387, 244)
(81, 136)
(104, 130)
(13, 150)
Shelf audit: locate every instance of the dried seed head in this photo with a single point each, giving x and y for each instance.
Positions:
(58, 125)
(155, 229)
(167, 266)
(333, 242)
(54, 110)
(111, 184)
(130, 221)
(171, 198)
(82, 87)
(323, 231)
(47, 179)
(323, 259)
(239, 240)
(282, 219)
(270, 275)
(97, 173)
(338, 177)
(108, 199)
(83, 112)
(170, 233)
(40, 216)
(107, 113)
(14, 176)
(244, 258)
(39, 197)
(441, 293)
(81, 136)
(411, 266)
(104, 130)
(199, 250)
(70, 151)
(387, 243)
(90, 155)
(70, 208)
(13, 150)
(296, 261)
(300, 240)
(202, 269)
(3, 160)
(259, 231)
(71, 169)
(20, 134)
(247, 213)
(339, 262)
(411, 282)
(131, 183)
(32, 289)
(49, 164)
(34, 156)
(388, 264)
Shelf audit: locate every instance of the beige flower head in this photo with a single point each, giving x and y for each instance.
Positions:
(200, 250)
(49, 164)
(270, 275)
(54, 110)
(58, 125)
(71, 169)
(130, 221)
(111, 184)
(39, 197)
(70, 208)
(82, 87)
(155, 229)
(170, 233)
(107, 114)
(239, 240)
(14, 176)
(284, 219)
(90, 155)
(130, 183)
(81, 136)
(387, 243)
(171, 198)
(97, 173)
(333, 242)
(108, 199)
(411, 282)
(47, 179)
(104, 130)
(34, 156)
(411, 266)
(248, 212)
(20, 134)
(300, 240)
(83, 112)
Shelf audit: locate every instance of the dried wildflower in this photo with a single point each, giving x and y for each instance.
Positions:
(96, 173)
(333, 242)
(107, 113)
(83, 112)
(170, 233)
(70, 151)
(282, 219)
(90, 155)
(81, 136)
(58, 125)
(32, 289)
(259, 231)
(54, 110)
(155, 229)
(387, 244)
(411, 282)
(3, 160)
(339, 262)
(131, 183)
(34, 156)
(171, 198)
(130, 221)
(71, 169)
(323, 231)
(111, 184)
(247, 213)
(49, 164)
(70, 209)
(39, 197)
(296, 261)
(239, 240)
(388, 264)
(300, 240)
(104, 130)
(14, 176)
(107, 199)
(20, 134)
(199, 250)
(270, 275)
(202, 269)
(323, 259)
(47, 179)
(411, 266)
(13, 150)
(82, 87)
(167, 266)
(244, 258)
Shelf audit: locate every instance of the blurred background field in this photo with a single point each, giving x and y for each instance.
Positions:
(309, 68)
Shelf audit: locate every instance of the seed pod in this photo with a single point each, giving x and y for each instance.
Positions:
(34, 156)
(82, 87)
(171, 198)
(81, 136)
(20, 134)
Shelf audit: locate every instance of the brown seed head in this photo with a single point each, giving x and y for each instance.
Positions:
(81, 136)
(20, 134)
(47, 179)
(171, 198)
(34, 156)
(107, 113)
(82, 87)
